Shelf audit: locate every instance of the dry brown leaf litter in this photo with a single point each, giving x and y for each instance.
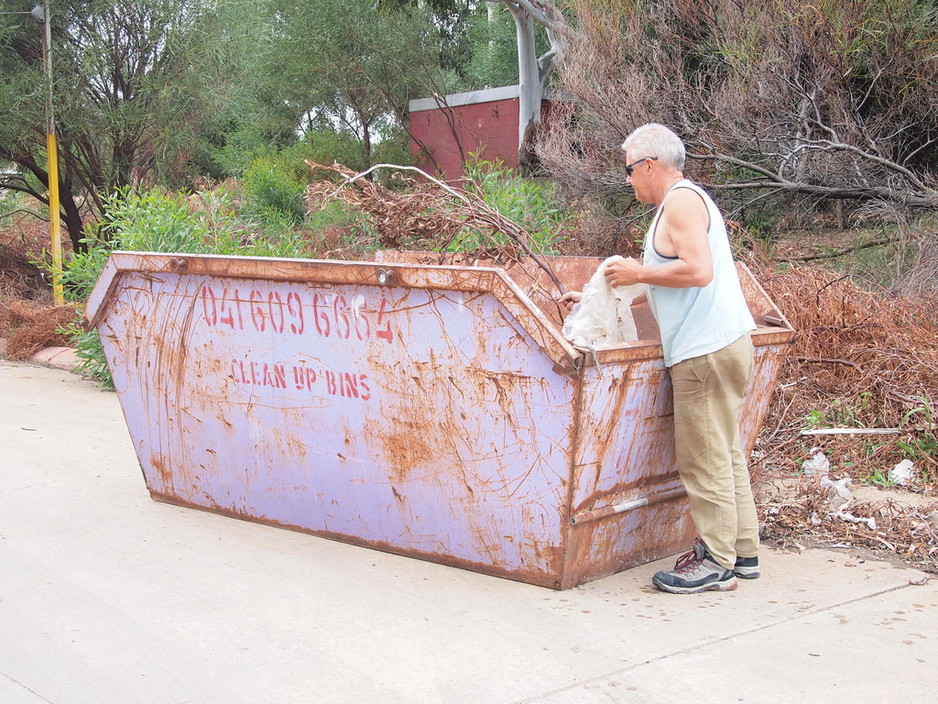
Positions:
(806, 517)
(32, 327)
(861, 360)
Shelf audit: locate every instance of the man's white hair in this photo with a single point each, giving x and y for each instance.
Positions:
(656, 140)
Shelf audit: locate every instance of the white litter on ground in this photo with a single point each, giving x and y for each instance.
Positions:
(903, 473)
(818, 465)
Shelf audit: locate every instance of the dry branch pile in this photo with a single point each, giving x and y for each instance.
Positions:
(21, 246)
(403, 219)
(427, 215)
(32, 327)
(860, 360)
(875, 351)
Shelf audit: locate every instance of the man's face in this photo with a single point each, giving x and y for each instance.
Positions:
(639, 178)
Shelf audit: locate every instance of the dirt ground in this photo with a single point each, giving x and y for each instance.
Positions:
(796, 510)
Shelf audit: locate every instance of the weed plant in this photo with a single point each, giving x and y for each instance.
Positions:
(531, 203)
(273, 193)
(91, 360)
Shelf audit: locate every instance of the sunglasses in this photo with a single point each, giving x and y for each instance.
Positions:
(629, 168)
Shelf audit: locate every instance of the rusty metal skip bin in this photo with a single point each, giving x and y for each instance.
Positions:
(427, 409)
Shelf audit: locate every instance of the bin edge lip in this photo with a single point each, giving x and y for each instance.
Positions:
(100, 295)
(551, 340)
(563, 353)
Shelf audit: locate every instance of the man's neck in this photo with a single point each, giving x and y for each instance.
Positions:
(667, 182)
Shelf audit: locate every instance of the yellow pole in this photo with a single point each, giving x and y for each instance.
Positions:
(55, 221)
(52, 155)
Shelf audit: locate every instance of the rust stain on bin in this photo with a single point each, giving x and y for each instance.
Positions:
(415, 404)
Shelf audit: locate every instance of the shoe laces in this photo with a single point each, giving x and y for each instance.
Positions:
(687, 562)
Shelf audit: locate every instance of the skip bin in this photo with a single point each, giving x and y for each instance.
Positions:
(417, 405)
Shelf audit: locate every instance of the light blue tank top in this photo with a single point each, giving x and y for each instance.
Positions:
(697, 320)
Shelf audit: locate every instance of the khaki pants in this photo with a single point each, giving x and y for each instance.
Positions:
(708, 396)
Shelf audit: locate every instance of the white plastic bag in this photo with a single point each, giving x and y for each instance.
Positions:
(817, 465)
(603, 317)
(838, 491)
(903, 473)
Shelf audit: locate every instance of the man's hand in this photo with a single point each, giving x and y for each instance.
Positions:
(570, 299)
(623, 272)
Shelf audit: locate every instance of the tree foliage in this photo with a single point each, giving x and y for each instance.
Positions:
(351, 66)
(136, 85)
(493, 55)
(830, 99)
(834, 99)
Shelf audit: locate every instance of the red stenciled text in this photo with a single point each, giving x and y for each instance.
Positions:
(302, 378)
(328, 315)
(259, 374)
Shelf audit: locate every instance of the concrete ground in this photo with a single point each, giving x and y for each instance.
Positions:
(107, 597)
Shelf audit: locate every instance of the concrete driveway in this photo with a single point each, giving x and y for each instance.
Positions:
(107, 597)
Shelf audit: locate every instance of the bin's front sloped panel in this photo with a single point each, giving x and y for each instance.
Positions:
(629, 505)
(626, 453)
(420, 421)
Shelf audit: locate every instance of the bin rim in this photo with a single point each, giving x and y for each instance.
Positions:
(469, 279)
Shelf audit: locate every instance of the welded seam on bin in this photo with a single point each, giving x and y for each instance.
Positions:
(550, 340)
(574, 459)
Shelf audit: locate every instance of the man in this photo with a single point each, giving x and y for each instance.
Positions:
(694, 293)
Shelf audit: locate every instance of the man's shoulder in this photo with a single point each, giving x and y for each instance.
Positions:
(687, 191)
(685, 202)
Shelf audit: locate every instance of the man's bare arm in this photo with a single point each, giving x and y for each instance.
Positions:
(684, 225)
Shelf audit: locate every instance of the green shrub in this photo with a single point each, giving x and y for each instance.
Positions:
(82, 271)
(153, 221)
(242, 146)
(393, 149)
(531, 203)
(272, 192)
(90, 352)
(323, 147)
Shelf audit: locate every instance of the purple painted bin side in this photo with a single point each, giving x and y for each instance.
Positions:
(432, 411)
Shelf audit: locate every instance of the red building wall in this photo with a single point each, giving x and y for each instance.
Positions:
(484, 123)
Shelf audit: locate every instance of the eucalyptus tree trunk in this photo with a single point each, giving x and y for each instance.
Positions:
(533, 71)
(530, 81)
